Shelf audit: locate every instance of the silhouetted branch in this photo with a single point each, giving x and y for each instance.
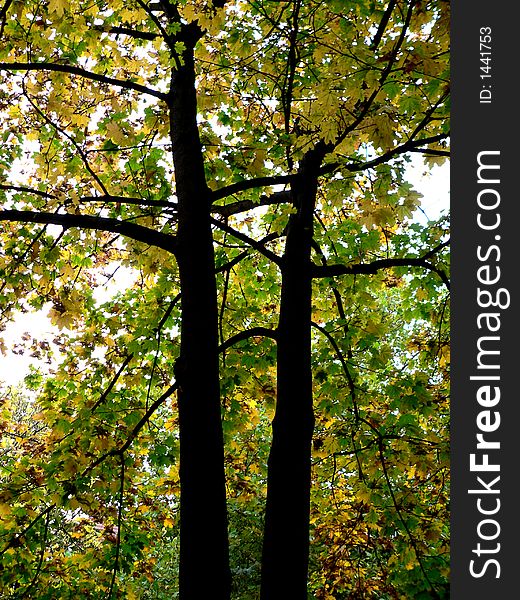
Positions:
(383, 263)
(71, 70)
(249, 333)
(250, 241)
(131, 230)
(383, 24)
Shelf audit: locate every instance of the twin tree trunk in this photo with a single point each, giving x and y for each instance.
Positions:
(285, 556)
(204, 555)
(204, 552)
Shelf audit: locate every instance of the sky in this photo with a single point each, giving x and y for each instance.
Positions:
(434, 185)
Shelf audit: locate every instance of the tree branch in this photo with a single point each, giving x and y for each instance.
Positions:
(125, 200)
(344, 365)
(16, 537)
(111, 385)
(3, 16)
(408, 146)
(168, 40)
(437, 248)
(119, 524)
(131, 230)
(250, 241)
(48, 66)
(40, 561)
(135, 431)
(288, 84)
(100, 198)
(249, 333)
(245, 205)
(28, 190)
(243, 335)
(431, 152)
(139, 35)
(400, 515)
(383, 24)
(383, 263)
(366, 104)
(231, 263)
(61, 131)
(249, 184)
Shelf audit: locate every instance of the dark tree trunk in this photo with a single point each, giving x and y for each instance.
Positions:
(204, 561)
(286, 531)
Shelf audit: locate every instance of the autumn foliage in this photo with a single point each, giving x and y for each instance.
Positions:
(249, 372)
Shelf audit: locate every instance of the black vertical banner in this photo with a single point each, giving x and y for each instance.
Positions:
(485, 403)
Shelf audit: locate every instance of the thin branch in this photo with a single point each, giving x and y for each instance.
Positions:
(383, 24)
(366, 104)
(249, 184)
(25, 594)
(16, 537)
(249, 333)
(167, 38)
(281, 196)
(125, 200)
(100, 198)
(61, 131)
(227, 277)
(167, 313)
(3, 16)
(377, 265)
(288, 84)
(135, 431)
(441, 320)
(401, 518)
(437, 248)
(243, 335)
(119, 523)
(256, 331)
(234, 261)
(250, 241)
(138, 35)
(49, 66)
(231, 263)
(16, 261)
(343, 362)
(430, 152)
(131, 230)
(245, 205)
(427, 117)
(28, 190)
(268, 181)
(158, 332)
(408, 146)
(144, 419)
(111, 385)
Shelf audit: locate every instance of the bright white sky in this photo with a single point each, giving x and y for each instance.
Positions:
(434, 187)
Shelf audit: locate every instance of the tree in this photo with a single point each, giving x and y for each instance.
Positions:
(203, 522)
(166, 123)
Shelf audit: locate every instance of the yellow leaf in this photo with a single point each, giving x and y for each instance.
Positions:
(57, 6)
(115, 133)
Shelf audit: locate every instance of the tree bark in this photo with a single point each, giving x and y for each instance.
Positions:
(286, 530)
(204, 555)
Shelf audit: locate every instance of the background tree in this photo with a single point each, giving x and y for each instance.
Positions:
(316, 116)
(171, 124)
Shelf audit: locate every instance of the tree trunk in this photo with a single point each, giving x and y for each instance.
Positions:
(286, 531)
(204, 554)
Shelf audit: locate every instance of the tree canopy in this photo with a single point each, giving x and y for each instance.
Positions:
(267, 389)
